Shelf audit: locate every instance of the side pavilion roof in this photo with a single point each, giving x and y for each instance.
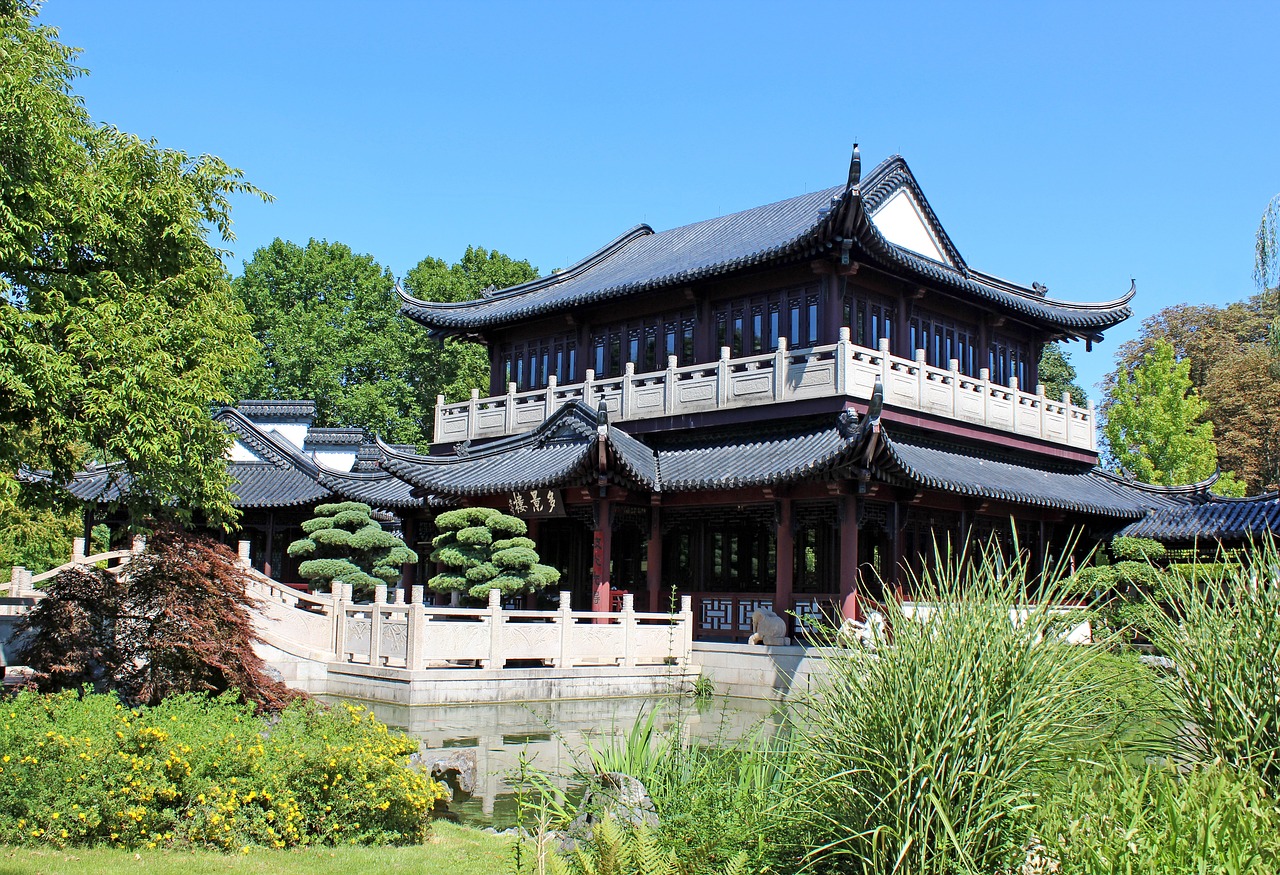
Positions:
(832, 220)
(572, 449)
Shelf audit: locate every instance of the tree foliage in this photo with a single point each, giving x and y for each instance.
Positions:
(1231, 367)
(483, 549)
(1154, 426)
(1058, 375)
(176, 621)
(344, 542)
(117, 323)
(328, 321)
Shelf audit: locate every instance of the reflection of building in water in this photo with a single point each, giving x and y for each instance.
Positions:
(550, 736)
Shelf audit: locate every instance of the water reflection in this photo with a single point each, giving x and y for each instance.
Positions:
(551, 736)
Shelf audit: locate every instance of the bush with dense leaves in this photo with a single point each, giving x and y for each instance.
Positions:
(200, 771)
(483, 549)
(175, 620)
(344, 542)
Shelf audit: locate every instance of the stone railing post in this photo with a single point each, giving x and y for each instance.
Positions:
(439, 416)
(686, 622)
(242, 550)
(1040, 399)
(15, 581)
(508, 410)
(337, 590)
(780, 370)
(844, 361)
(920, 379)
(588, 390)
(1093, 426)
(564, 618)
(496, 619)
(669, 386)
(473, 407)
(984, 377)
(722, 377)
(954, 367)
(885, 365)
(628, 390)
(376, 617)
(414, 616)
(77, 550)
(628, 621)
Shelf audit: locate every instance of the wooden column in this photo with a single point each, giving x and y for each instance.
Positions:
(849, 557)
(535, 529)
(785, 561)
(88, 530)
(704, 329)
(653, 575)
(271, 534)
(833, 297)
(601, 555)
(409, 529)
(897, 518)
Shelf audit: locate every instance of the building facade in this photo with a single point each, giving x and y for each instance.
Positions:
(788, 407)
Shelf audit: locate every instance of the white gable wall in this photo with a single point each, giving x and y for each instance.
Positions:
(902, 223)
(240, 453)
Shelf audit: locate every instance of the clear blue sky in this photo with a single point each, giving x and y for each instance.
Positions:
(1070, 144)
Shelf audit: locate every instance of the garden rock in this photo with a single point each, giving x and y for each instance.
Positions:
(614, 795)
(456, 768)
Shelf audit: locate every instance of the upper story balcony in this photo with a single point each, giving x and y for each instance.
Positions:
(839, 369)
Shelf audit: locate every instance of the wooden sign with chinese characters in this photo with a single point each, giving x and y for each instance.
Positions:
(531, 503)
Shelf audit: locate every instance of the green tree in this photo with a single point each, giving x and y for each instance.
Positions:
(344, 542)
(483, 549)
(1154, 422)
(1058, 375)
(330, 329)
(463, 365)
(117, 322)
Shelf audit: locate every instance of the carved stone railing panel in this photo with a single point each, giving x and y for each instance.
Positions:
(832, 370)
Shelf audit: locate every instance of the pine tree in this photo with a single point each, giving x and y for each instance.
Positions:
(484, 549)
(345, 543)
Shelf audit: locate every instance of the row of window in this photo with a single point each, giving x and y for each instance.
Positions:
(754, 325)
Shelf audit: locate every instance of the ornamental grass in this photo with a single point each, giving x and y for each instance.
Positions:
(196, 771)
(931, 754)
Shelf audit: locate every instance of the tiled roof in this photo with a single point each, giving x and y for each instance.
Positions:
(378, 489)
(336, 436)
(262, 484)
(641, 260)
(1222, 519)
(756, 461)
(269, 409)
(982, 474)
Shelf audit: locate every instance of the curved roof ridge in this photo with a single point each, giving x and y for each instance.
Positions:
(572, 409)
(892, 175)
(611, 248)
(1200, 487)
(268, 443)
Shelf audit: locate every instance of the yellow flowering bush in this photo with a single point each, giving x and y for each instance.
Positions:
(193, 770)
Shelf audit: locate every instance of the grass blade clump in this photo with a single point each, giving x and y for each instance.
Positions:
(929, 755)
(1221, 628)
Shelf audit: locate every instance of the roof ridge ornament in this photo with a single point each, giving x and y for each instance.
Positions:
(855, 168)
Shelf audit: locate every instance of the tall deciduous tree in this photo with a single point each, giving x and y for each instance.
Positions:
(117, 322)
(1058, 375)
(330, 329)
(462, 365)
(1154, 422)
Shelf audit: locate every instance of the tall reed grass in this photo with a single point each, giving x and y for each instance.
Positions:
(1221, 628)
(930, 755)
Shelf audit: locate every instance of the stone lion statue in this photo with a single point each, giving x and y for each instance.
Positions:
(767, 628)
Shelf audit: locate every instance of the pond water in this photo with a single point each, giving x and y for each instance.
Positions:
(551, 736)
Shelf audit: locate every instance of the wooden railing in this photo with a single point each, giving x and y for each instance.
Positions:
(785, 375)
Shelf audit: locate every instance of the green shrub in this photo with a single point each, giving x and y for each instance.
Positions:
(483, 549)
(198, 771)
(1113, 818)
(344, 542)
(1222, 630)
(616, 849)
(929, 755)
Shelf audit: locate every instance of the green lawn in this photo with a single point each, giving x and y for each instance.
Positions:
(451, 850)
